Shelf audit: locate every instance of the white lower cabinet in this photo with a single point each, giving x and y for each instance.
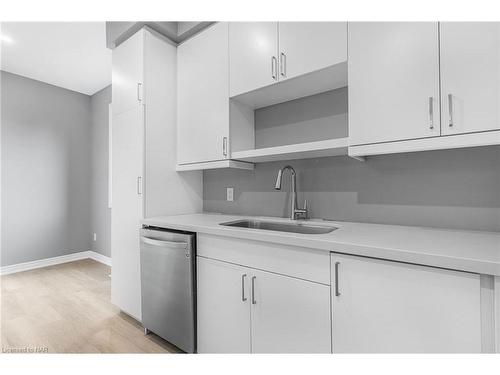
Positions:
(257, 297)
(223, 317)
(384, 306)
(244, 310)
(289, 315)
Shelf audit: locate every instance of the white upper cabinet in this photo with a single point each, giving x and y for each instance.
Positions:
(308, 46)
(263, 53)
(203, 97)
(127, 74)
(389, 307)
(253, 55)
(470, 76)
(393, 81)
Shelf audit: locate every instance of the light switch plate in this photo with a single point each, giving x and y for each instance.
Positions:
(94, 237)
(230, 194)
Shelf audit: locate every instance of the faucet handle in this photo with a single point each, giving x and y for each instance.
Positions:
(302, 211)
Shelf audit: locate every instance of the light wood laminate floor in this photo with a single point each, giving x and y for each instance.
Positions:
(66, 308)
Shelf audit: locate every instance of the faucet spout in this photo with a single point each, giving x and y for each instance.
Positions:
(280, 177)
(277, 186)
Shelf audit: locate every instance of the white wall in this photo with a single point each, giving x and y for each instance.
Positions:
(45, 170)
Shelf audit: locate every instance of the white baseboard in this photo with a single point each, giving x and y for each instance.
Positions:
(26, 266)
(100, 258)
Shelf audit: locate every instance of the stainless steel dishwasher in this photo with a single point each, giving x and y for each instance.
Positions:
(168, 285)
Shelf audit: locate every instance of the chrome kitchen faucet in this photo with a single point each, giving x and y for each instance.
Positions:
(294, 210)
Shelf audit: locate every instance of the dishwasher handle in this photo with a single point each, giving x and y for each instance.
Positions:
(161, 243)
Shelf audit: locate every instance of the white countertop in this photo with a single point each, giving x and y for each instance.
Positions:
(471, 251)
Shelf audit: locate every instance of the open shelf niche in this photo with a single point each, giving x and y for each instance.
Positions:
(307, 127)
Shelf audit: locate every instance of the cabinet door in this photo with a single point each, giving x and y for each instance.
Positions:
(383, 306)
(308, 46)
(253, 54)
(289, 315)
(223, 307)
(497, 314)
(126, 212)
(393, 81)
(203, 99)
(470, 76)
(127, 73)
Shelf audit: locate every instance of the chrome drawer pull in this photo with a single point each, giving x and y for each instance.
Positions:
(243, 298)
(253, 290)
(450, 110)
(337, 292)
(431, 112)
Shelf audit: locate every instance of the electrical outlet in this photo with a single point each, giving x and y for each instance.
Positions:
(95, 237)
(230, 194)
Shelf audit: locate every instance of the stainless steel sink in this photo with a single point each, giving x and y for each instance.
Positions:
(280, 227)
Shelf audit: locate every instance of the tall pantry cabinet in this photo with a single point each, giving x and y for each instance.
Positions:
(143, 156)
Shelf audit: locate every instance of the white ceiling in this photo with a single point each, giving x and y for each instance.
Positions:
(72, 55)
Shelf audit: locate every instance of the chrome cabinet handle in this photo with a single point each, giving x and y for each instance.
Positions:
(161, 243)
(450, 110)
(253, 290)
(139, 91)
(274, 67)
(337, 292)
(139, 185)
(431, 112)
(283, 64)
(224, 146)
(243, 298)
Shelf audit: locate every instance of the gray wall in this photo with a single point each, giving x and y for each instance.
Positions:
(100, 219)
(45, 170)
(446, 189)
(313, 118)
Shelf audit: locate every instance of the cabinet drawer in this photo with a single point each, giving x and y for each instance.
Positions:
(300, 262)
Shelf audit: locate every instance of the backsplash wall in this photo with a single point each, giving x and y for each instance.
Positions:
(458, 189)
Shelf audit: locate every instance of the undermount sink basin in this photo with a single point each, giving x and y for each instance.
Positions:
(280, 227)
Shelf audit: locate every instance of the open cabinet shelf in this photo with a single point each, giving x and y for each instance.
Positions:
(330, 78)
(214, 165)
(330, 147)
